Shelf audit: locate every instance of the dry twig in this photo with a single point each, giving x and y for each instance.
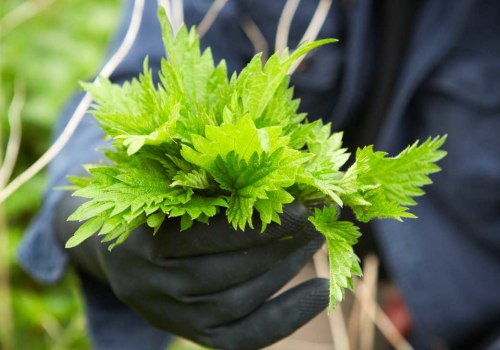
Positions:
(368, 293)
(336, 319)
(210, 17)
(370, 307)
(354, 320)
(284, 24)
(6, 317)
(6, 168)
(314, 27)
(14, 116)
(256, 37)
(317, 21)
(175, 12)
(15, 128)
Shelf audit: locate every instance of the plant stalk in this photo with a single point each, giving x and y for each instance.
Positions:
(6, 318)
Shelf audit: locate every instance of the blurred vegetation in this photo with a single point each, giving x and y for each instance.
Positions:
(49, 45)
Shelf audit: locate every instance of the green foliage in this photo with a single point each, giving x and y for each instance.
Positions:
(49, 52)
(340, 237)
(199, 144)
(381, 186)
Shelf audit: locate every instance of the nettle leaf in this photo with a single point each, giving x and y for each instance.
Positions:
(135, 113)
(243, 138)
(195, 71)
(85, 231)
(256, 87)
(128, 191)
(198, 179)
(240, 211)
(198, 144)
(250, 181)
(196, 206)
(155, 220)
(388, 184)
(402, 176)
(269, 208)
(340, 237)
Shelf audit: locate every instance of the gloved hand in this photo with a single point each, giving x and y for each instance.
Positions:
(210, 284)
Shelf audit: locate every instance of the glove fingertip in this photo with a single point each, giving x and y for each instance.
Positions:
(293, 219)
(316, 301)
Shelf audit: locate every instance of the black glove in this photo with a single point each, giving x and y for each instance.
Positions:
(210, 284)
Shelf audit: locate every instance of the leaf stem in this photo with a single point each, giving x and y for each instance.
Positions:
(313, 29)
(284, 24)
(14, 116)
(210, 17)
(256, 37)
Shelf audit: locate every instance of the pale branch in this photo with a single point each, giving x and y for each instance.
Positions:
(317, 21)
(284, 25)
(175, 12)
(6, 316)
(372, 309)
(367, 293)
(21, 14)
(314, 27)
(255, 36)
(15, 128)
(82, 108)
(336, 319)
(210, 17)
(365, 303)
(388, 329)
(168, 9)
(354, 321)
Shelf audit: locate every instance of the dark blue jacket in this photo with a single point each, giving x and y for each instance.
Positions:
(447, 262)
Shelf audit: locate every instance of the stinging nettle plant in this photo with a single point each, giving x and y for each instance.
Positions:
(199, 144)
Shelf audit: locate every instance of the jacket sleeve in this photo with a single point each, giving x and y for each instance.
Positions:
(446, 261)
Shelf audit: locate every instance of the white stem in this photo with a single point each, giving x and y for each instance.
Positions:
(255, 36)
(284, 25)
(15, 132)
(383, 323)
(80, 111)
(167, 6)
(317, 21)
(177, 14)
(210, 17)
(336, 319)
(354, 318)
(314, 27)
(368, 293)
(388, 329)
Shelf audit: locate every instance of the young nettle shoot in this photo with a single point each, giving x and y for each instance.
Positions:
(199, 144)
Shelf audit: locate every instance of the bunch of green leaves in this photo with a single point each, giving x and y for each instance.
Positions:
(198, 144)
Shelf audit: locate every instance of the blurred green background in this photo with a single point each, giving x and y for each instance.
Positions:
(47, 46)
